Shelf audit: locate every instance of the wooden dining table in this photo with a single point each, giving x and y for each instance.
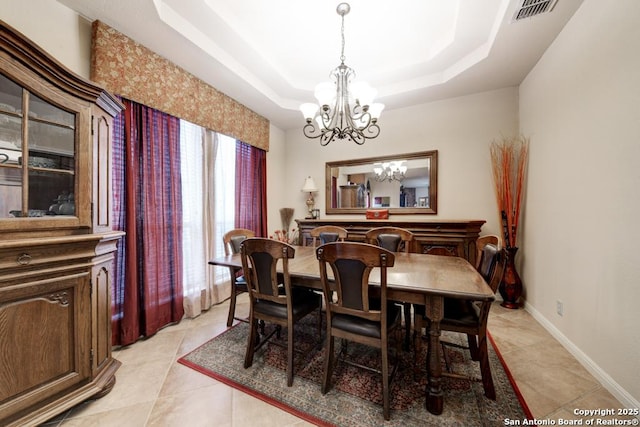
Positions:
(415, 278)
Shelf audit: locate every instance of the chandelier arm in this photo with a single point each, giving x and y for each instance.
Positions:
(310, 131)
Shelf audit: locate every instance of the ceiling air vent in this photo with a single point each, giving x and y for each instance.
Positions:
(530, 8)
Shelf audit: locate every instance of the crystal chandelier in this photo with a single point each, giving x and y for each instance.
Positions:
(342, 112)
(390, 171)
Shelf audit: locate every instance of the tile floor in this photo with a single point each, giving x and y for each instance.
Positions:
(152, 389)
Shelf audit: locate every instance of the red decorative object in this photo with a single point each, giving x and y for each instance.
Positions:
(511, 286)
(509, 161)
(377, 213)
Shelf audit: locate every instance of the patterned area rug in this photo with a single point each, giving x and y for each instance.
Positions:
(355, 396)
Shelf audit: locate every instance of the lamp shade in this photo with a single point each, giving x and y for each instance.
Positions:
(309, 185)
(309, 110)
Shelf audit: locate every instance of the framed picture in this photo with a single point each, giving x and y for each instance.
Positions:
(381, 201)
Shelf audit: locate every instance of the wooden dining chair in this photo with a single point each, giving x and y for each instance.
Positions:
(395, 239)
(232, 240)
(481, 242)
(270, 299)
(351, 315)
(327, 234)
(470, 318)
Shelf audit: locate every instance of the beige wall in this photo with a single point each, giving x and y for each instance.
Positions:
(60, 31)
(581, 107)
(461, 129)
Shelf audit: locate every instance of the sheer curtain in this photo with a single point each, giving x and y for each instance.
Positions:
(221, 210)
(193, 244)
(208, 170)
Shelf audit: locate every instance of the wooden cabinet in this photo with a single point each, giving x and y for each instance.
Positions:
(349, 196)
(452, 238)
(56, 238)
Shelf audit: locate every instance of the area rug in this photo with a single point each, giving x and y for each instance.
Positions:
(355, 396)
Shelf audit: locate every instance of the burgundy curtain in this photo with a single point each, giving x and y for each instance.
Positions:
(147, 292)
(251, 189)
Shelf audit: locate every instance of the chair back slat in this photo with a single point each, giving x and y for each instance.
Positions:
(326, 234)
(260, 256)
(394, 239)
(233, 238)
(351, 265)
(488, 260)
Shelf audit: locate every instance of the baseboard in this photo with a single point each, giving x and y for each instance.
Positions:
(626, 399)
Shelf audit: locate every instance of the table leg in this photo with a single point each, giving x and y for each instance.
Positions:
(434, 312)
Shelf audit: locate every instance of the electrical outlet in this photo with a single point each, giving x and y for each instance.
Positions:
(559, 308)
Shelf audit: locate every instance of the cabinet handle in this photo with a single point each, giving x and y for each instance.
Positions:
(24, 259)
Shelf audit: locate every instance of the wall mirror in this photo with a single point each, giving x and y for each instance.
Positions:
(402, 183)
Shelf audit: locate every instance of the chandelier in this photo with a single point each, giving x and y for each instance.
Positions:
(390, 171)
(342, 112)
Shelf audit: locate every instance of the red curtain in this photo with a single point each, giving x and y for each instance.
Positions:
(147, 196)
(251, 189)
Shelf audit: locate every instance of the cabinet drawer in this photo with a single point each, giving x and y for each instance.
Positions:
(47, 252)
(441, 247)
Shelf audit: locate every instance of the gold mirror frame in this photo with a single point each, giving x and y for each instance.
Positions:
(332, 170)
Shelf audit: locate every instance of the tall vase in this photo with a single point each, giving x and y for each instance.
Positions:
(511, 285)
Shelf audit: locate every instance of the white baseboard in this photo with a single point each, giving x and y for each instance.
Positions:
(626, 399)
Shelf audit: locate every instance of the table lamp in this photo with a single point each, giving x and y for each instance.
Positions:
(309, 187)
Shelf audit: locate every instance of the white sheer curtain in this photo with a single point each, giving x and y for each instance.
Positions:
(220, 188)
(208, 193)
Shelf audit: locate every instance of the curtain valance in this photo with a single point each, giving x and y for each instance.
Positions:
(133, 71)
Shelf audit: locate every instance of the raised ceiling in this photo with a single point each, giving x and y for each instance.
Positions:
(269, 55)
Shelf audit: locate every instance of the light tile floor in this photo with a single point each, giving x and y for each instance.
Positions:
(152, 389)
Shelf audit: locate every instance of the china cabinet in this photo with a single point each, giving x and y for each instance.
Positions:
(56, 238)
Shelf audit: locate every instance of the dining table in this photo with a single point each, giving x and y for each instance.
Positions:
(415, 278)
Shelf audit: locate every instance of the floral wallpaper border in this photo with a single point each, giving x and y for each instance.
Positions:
(133, 71)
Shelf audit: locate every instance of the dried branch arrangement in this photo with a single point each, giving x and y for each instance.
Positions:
(509, 162)
(286, 215)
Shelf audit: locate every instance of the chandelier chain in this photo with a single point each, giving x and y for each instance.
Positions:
(342, 57)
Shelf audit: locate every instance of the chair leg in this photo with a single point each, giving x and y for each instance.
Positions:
(232, 304)
(328, 362)
(385, 380)
(290, 354)
(251, 343)
(485, 368)
(320, 317)
(473, 347)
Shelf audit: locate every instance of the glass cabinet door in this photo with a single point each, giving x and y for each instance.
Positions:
(37, 155)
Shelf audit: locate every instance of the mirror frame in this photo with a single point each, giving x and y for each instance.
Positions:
(433, 181)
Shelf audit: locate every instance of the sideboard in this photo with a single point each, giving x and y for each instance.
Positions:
(444, 237)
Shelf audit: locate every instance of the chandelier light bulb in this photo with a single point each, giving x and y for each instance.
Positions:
(325, 93)
(309, 110)
(375, 110)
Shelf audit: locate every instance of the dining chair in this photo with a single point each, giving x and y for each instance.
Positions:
(327, 234)
(232, 240)
(480, 244)
(273, 300)
(351, 314)
(470, 318)
(394, 239)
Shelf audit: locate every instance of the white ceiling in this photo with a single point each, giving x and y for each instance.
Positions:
(269, 55)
